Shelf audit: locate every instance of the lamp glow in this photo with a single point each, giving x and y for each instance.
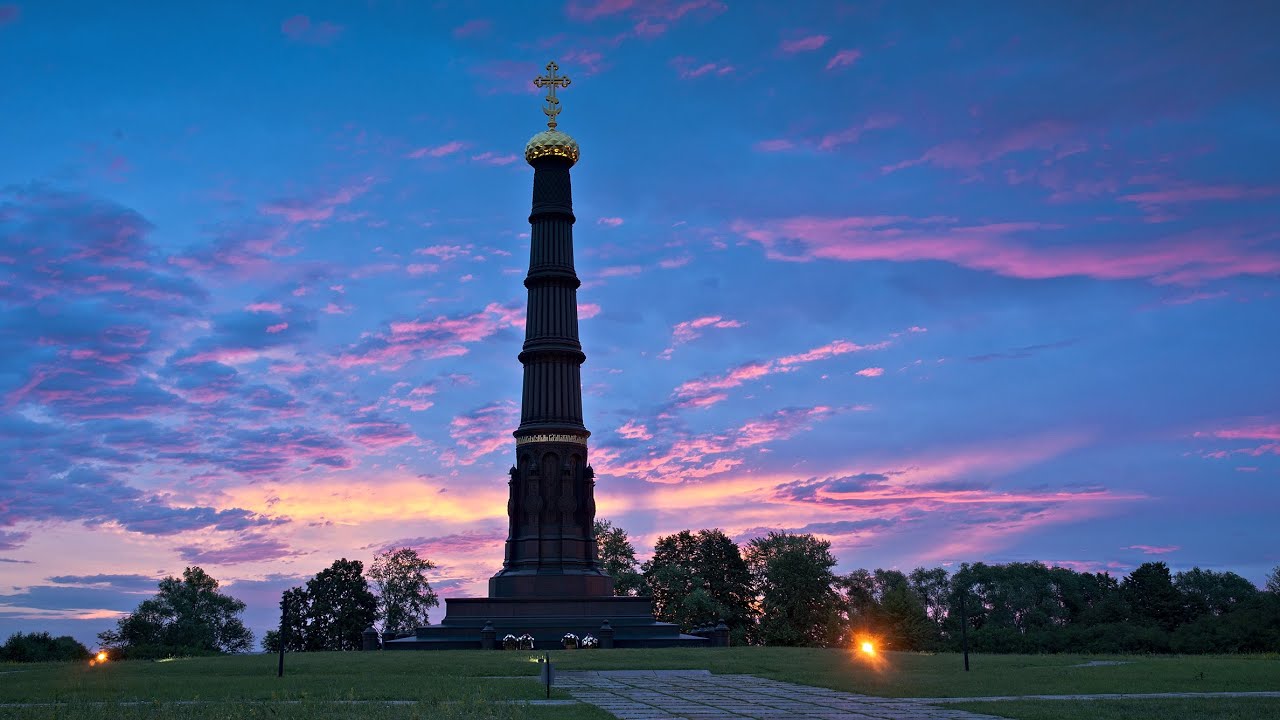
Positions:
(868, 648)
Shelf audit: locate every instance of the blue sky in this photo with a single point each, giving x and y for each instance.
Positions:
(938, 284)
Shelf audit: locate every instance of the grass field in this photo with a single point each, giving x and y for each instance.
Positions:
(1163, 709)
(466, 684)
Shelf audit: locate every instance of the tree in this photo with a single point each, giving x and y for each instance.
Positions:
(339, 607)
(1152, 597)
(187, 616)
(699, 578)
(404, 594)
(1273, 580)
(618, 558)
(933, 588)
(295, 622)
(1212, 593)
(793, 579)
(42, 647)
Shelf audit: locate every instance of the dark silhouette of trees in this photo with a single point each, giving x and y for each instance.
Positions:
(699, 578)
(330, 612)
(42, 647)
(404, 594)
(187, 617)
(618, 558)
(1152, 598)
(794, 583)
(781, 590)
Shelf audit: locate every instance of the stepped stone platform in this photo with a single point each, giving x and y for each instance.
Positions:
(547, 619)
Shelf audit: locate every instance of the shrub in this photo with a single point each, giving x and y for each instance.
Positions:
(42, 647)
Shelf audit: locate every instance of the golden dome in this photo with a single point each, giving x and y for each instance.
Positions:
(549, 143)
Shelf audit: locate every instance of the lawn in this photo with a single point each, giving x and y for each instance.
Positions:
(466, 684)
(1164, 709)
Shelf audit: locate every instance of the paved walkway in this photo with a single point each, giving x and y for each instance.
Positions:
(699, 695)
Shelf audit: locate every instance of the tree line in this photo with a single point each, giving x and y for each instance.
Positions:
(781, 589)
(191, 616)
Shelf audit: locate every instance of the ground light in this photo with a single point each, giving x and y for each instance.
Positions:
(98, 659)
(867, 647)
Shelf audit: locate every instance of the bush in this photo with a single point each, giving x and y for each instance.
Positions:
(42, 647)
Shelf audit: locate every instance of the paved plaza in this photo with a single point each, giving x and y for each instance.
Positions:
(699, 695)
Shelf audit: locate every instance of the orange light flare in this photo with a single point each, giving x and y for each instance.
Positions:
(866, 652)
(98, 659)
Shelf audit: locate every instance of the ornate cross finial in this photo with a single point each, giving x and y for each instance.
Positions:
(551, 81)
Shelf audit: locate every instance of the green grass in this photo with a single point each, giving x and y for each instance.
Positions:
(253, 710)
(1165, 709)
(456, 678)
(942, 675)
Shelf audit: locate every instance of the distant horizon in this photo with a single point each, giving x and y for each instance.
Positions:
(939, 288)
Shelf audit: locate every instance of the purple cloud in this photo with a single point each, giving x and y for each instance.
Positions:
(301, 29)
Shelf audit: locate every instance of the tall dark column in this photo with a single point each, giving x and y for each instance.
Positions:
(551, 547)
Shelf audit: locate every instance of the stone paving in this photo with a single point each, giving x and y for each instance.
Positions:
(699, 695)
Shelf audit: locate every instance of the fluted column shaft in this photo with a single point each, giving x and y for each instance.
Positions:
(551, 548)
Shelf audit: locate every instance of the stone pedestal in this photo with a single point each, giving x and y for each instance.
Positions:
(547, 620)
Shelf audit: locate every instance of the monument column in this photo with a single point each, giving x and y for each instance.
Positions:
(550, 549)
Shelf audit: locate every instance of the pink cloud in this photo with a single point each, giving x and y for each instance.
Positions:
(692, 456)
(870, 372)
(689, 68)
(316, 209)
(589, 10)
(480, 432)
(244, 549)
(586, 311)
(9, 14)
(830, 350)
(843, 58)
(493, 158)
(804, 44)
(585, 62)
(1182, 259)
(776, 145)
(706, 391)
(472, 28)
(440, 337)
(507, 76)
(619, 271)
(650, 18)
(416, 400)
(1247, 429)
(271, 307)
(1154, 549)
(1251, 429)
(969, 154)
(437, 151)
(1200, 193)
(444, 252)
(299, 28)
(689, 330)
(609, 221)
(851, 134)
(633, 430)
(278, 327)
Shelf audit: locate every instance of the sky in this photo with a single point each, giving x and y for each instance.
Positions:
(937, 283)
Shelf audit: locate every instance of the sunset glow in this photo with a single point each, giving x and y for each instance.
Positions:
(999, 286)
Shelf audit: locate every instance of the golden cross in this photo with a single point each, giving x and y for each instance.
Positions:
(551, 81)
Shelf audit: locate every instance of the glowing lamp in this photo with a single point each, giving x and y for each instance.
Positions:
(102, 656)
(867, 647)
